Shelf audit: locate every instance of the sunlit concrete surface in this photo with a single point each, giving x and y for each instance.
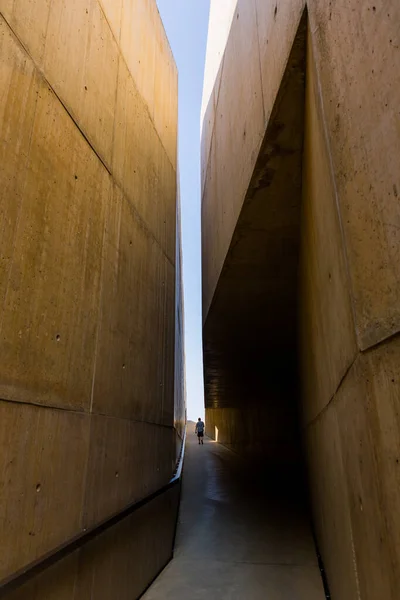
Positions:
(221, 14)
(238, 537)
(91, 324)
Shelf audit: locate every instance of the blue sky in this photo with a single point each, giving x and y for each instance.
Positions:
(186, 23)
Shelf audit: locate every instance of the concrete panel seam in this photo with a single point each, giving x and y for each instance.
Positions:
(331, 165)
(116, 95)
(141, 422)
(220, 80)
(346, 492)
(208, 163)
(163, 28)
(220, 22)
(259, 61)
(41, 74)
(100, 3)
(332, 398)
(82, 412)
(213, 126)
(44, 406)
(121, 57)
(100, 308)
(39, 70)
(144, 225)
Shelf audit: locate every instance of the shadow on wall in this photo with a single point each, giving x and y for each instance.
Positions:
(300, 265)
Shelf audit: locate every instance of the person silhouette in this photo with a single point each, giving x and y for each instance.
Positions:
(199, 429)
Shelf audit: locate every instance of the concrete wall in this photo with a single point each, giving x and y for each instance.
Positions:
(88, 125)
(117, 562)
(220, 19)
(180, 365)
(351, 391)
(250, 235)
(348, 276)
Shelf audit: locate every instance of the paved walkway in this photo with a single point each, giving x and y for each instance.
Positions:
(234, 541)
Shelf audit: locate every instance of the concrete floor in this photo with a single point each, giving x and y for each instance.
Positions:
(235, 540)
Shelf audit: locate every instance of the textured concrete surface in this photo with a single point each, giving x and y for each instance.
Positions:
(249, 347)
(237, 537)
(359, 98)
(220, 19)
(350, 395)
(334, 335)
(91, 328)
(117, 564)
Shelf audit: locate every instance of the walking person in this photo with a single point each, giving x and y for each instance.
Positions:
(199, 429)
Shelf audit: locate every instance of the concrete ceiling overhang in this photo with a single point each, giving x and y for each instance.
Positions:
(250, 333)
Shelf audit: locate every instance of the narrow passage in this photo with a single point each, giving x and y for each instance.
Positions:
(236, 539)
